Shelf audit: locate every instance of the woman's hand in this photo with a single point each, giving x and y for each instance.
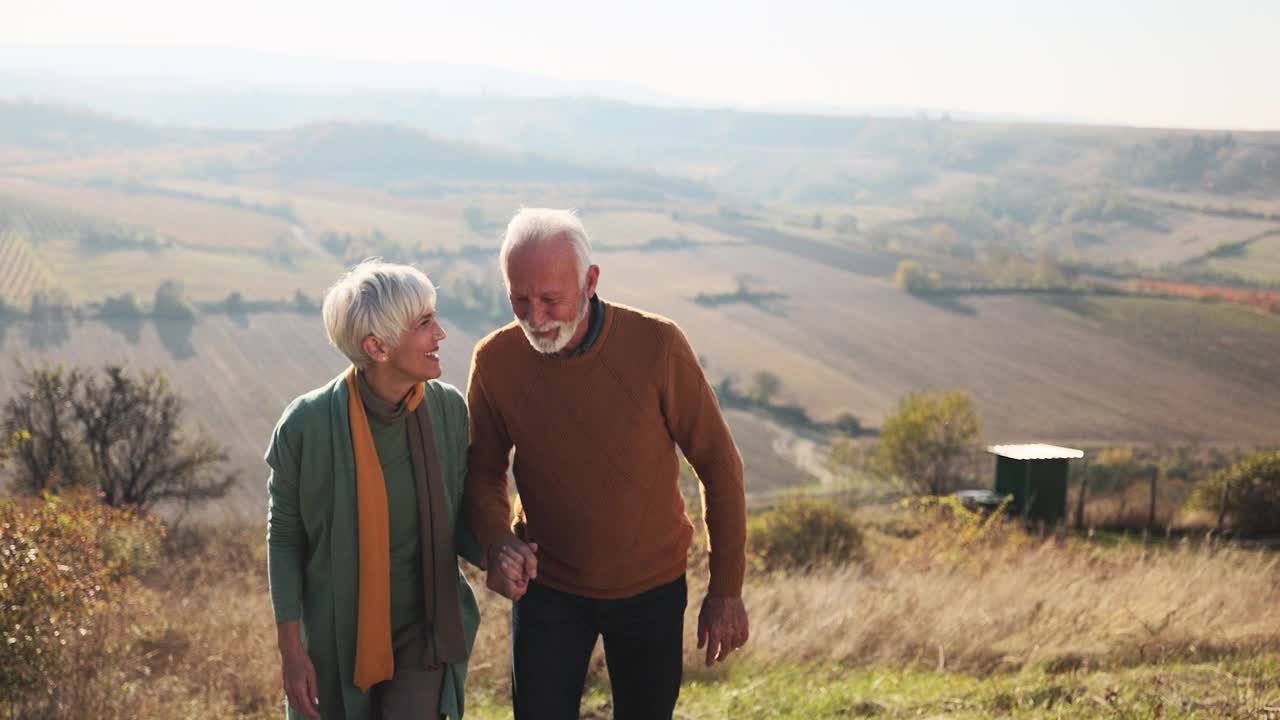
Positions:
(296, 671)
(512, 564)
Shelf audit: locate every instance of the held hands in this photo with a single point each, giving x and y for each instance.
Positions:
(722, 627)
(512, 564)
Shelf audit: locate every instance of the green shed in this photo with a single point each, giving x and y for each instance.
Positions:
(1036, 476)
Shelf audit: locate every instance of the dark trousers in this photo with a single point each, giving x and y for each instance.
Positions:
(553, 634)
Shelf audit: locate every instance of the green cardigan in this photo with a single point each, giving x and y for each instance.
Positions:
(312, 552)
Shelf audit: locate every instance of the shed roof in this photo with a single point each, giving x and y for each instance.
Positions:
(1035, 451)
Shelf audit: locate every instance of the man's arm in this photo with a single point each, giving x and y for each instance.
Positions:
(510, 563)
(696, 424)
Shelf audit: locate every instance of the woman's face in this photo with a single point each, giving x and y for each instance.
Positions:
(415, 358)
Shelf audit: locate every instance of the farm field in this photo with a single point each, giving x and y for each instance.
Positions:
(194, 224)
(1054, 369)
(845, 342)
(1258, 261)
(206, 275)
(774, 218)
(76, 164)
(1265, 205)
(348, 210)
(1182, 237)
(22, 272)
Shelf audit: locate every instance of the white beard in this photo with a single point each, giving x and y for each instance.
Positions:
(567, 328)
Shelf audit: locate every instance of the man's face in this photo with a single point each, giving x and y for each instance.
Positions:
(548, 296)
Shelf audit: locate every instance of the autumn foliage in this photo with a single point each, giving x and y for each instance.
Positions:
(61, 558)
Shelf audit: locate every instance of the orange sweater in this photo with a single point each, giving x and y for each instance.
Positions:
(596, 466)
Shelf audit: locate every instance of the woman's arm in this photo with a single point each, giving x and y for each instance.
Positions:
(286, 536)
(286, 553)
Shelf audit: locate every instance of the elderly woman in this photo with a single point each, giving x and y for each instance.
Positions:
(373, 617)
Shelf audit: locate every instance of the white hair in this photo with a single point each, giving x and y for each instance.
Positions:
(533, 225)
(375, 298)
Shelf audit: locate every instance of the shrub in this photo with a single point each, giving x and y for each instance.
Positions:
(914, 279)
(119, 431)
(59, 558)
(946, 531)
(803, 534)
(1248, 492)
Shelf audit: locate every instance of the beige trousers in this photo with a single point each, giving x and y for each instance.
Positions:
(414, 692)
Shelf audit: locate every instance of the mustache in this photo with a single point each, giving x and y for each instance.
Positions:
(548, 325)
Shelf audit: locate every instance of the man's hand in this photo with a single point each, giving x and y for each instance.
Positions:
(512, 564)
(722, 627)
(297, 672)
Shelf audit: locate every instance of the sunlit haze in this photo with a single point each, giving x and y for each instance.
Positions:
(1167, 64)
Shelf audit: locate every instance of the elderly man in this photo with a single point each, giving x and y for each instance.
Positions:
(595, 397)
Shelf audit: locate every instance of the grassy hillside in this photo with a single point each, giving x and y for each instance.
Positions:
(948, 622)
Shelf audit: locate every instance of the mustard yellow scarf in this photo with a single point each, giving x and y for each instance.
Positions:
(375, 657)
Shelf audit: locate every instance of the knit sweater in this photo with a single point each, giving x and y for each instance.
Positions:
(596, 466)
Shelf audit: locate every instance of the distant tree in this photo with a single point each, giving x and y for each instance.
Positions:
(928, 439)
(50, 304)
(942, 239)
(303, 303)
(914, 279)
(848, 424)
(234, 303)
(476, 220)
(139, 451)
(1247, 494)
(880, 239)
(764, 385)
(171, 302)
(124, 306)
(725, 391)
(818, 221)
(336, 243)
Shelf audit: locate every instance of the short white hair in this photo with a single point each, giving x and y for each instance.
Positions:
(375, 298)
(533, 225)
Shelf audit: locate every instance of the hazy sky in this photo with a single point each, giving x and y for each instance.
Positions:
(1144, 62)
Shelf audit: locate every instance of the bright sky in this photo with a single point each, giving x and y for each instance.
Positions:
(1142, 62)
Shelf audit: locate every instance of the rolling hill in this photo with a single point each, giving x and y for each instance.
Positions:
(814, 214)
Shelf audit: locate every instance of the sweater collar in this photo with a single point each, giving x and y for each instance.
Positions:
(595, 323)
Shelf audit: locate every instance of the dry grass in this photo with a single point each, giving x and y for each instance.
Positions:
(1008, 601)
(192, 638)
(195, 638)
